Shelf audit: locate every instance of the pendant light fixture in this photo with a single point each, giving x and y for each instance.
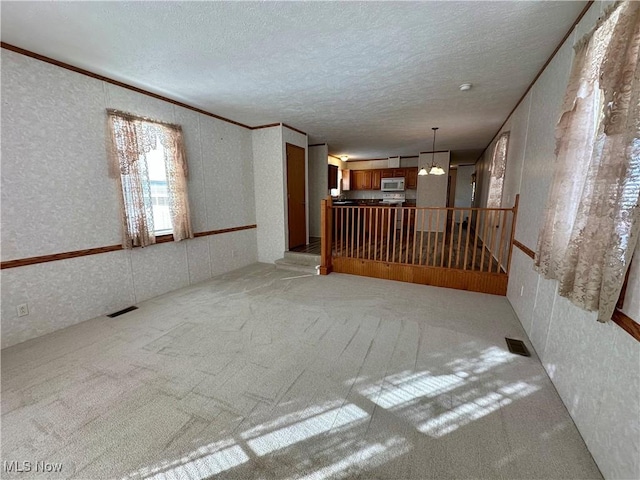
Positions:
(433, 168)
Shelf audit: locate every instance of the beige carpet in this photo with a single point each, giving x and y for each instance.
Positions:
(262, 374)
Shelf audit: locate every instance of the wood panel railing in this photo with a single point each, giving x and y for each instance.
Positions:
(467, 248)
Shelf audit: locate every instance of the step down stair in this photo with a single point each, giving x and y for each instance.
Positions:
(299, 262)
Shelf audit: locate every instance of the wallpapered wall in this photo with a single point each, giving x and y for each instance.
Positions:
(269, 164)
(432, 189)
(595, 367)
(57, 197)
(318, 185)
(269, 181)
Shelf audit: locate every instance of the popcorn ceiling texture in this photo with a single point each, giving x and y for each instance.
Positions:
(57, 197)
(370, 78)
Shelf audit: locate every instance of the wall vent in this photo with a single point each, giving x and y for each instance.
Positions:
(518, 347)
(122, 312)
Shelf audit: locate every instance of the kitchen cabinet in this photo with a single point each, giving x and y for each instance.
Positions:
(375, 179)
(370, 179)
(346, 180)
(411, 178)
(361, 180)
(333, 177)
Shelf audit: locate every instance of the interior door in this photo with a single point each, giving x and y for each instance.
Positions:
(296, 198)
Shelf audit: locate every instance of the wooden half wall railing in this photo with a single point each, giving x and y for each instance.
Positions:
(326, 232)
(473, 239)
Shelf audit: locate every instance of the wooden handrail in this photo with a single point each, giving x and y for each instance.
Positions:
(513, 230)
(326, 224)
(443, 237)
(23, 262)
(414, 207)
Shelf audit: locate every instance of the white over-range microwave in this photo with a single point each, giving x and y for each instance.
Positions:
(392, 184)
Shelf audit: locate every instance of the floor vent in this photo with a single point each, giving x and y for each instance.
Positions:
(122, 312)
(518, 347)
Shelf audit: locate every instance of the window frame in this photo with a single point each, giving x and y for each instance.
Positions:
(130, 146)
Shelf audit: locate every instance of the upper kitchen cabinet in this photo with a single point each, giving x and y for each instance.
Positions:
(411, 178)
(346, 180)
(333, 177)
(370, 179)
(375, 179)
(361, 180)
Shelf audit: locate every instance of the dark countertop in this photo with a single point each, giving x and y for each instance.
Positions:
(371, 203)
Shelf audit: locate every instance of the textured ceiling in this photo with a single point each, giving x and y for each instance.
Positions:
(368, 78)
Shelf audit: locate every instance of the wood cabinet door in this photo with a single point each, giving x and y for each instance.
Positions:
(333, 177)
(366, 180)
(361, 179)
(356, 179)
(411, 178)
(398, 172)
(375, 179)
(386, 173)
(346, 180)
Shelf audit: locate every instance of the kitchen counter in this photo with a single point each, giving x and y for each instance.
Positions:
(370, 203)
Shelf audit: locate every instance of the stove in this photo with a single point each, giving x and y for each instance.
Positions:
(395, 198)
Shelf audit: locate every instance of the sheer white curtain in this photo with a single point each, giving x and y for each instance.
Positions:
(131, 139)
(498, 164)
(592, 217)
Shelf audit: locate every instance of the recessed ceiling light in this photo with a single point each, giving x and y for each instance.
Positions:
(465, 86)
(344, 158)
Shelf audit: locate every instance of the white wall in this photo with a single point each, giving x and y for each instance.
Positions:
(632, 298)
(269, 181)
(463, 186)
(595, 367)
(337, 162)
(318, 185)
(57, 197)
(432, 189)
(405, 162)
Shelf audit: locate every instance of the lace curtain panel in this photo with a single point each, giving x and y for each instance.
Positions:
(132, 139)
(498, 164)
(592, 219)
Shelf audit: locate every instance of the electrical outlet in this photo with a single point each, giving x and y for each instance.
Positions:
(521, 289)
(23, 310)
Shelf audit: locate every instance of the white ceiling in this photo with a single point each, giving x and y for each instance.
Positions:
(370, 79)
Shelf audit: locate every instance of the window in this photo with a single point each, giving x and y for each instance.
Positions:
(592, 218)
(147, 158)
(498, 163)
